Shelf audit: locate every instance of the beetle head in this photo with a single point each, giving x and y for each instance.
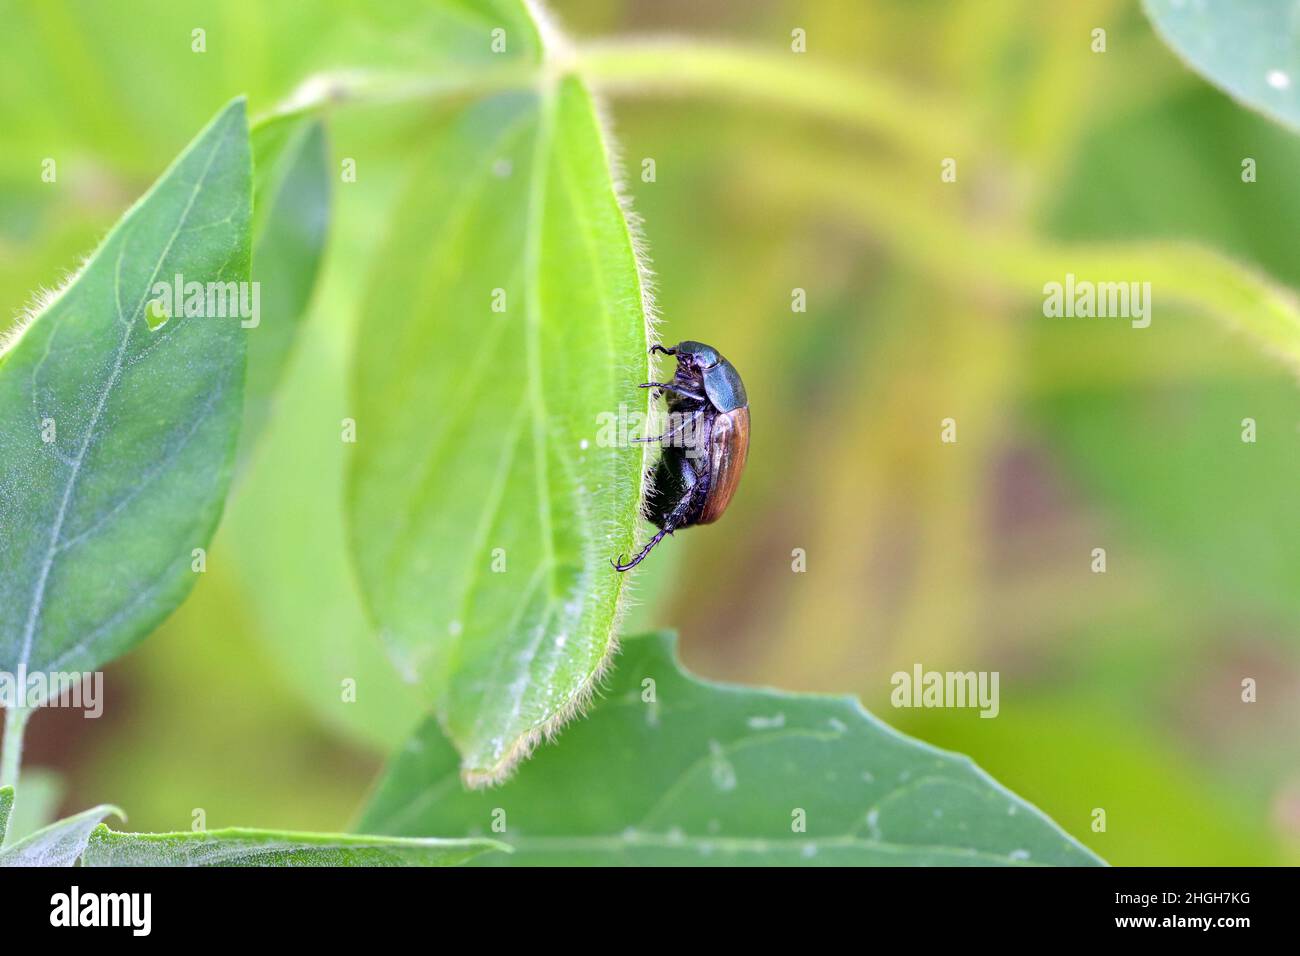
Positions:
(697, 354)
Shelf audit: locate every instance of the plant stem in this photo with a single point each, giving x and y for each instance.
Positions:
(971, 253)
(12, 755)
(342, 89)
(907, 118)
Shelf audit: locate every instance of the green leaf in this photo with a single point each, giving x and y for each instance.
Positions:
(668, 769)
(6, 807)
(1248, 48)
(309, 613)
(291, 211)
(416, 50)
(43, 790)
(244, 847)
(98, 525)
(59, 844)
(478, 431)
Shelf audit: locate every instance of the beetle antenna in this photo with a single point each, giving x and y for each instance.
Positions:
(642, 553)
(661, 350)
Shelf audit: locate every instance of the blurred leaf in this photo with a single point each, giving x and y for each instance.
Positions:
(59, 844)
(245, 847)
(484, 508)
(241, 745)
(286, 526)
(83, 55)
(1248, 48)
(97, 526)
(291, 200)
(671, 770)
(430, 37)
(289, 545)
(1108, 194)
(1074, 752)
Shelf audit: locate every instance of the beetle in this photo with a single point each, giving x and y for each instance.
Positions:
(705, 447)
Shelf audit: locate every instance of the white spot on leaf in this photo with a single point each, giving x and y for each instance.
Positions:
(724, 774)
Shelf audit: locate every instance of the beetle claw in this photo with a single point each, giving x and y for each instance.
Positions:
(640, 555)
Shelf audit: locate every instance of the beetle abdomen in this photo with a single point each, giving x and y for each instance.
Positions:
(728, 449)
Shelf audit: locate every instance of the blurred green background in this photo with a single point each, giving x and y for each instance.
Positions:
(1119, 691)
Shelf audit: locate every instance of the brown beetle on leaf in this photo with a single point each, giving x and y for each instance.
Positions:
(705, 447)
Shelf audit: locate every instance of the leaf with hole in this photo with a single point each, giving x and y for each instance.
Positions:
(670, 770)
(117, 441)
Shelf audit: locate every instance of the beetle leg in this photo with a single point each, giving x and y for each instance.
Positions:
(669, 387)
(661, 350)
(673, 431)
(640, 556)
(678, 514)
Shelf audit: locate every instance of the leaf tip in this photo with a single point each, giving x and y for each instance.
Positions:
(477, 778)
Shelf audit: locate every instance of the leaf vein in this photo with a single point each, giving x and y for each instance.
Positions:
(42, 578)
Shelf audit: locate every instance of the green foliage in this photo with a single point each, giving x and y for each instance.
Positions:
(59, 844)
(284, 537)
(83, 838)
(668, 769)
(505, 318)
(42, 792)
(1096, 761)
(291, 199)
(6, 807)
(811, 170)
(242, 847)
(1247, 48)
(116, 441)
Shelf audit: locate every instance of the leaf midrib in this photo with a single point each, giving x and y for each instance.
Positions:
(478, 368)
(218, 847)
(538, 167)
(538, 176)
(38, 592)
